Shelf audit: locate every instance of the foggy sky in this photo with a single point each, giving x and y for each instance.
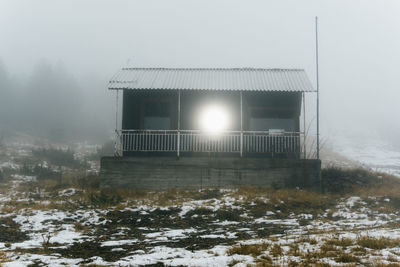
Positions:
(359, 45)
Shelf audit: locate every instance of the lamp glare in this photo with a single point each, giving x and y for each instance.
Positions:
(214, 120)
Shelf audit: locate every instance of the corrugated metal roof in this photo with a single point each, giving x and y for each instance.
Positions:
(233, 79)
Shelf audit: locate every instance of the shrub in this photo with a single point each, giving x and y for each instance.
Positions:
(10, 231)
(340, 180)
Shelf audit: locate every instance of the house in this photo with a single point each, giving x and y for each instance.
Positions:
(202, 127)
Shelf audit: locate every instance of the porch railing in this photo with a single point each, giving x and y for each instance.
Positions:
(272, 142)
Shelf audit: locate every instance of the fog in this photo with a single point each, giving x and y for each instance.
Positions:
(57, 56)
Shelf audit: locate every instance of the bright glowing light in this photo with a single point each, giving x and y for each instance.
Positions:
(214, 120)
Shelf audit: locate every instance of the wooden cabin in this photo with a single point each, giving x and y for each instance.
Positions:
(190, 122)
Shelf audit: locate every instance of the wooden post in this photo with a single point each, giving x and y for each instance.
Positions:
(117, 143)
(241, 124)
(179, 125)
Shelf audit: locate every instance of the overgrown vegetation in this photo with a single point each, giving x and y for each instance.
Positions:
(347, 181)
(58, 157)
(41, 172)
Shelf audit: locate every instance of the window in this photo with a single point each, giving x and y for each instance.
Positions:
(157, 116)
(264, 119)
(265, 124)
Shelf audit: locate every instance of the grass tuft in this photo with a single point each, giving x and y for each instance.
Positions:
(253, 249)
(276, 250)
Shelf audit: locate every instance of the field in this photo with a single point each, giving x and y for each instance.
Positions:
(52, 212)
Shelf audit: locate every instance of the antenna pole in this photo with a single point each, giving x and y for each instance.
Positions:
(316, 57)
(317, 74)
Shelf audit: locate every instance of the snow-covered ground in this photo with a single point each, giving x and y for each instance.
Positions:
(229, 229)
(370, 151)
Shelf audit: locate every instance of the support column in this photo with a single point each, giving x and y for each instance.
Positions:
(241, 124)
(118, 135)
(179, 125)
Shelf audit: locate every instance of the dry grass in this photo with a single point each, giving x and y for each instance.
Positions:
(287, 200)
(302, 201)
(381, 264)
(346, 258)
(328, 250)
(276, 250)
(3, 257)
(378, 242)
(15, 206)
(341, 242)
(79, 227)
(253, 249)
(307, 239)
(251, 193)
(358, 251)
(294, 249)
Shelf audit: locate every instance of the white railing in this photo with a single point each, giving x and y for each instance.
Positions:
(139, 140)
(196, 141)
(182, 141)
(274, 143)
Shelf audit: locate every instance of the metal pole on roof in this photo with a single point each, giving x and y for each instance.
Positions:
(316, 54)
(317, 76)
(304, 126)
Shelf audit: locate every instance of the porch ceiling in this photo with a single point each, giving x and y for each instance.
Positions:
(218, 79)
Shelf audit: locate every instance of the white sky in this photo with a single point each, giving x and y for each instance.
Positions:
(359, 44)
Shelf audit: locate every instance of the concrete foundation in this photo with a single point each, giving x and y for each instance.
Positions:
(158, 173)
